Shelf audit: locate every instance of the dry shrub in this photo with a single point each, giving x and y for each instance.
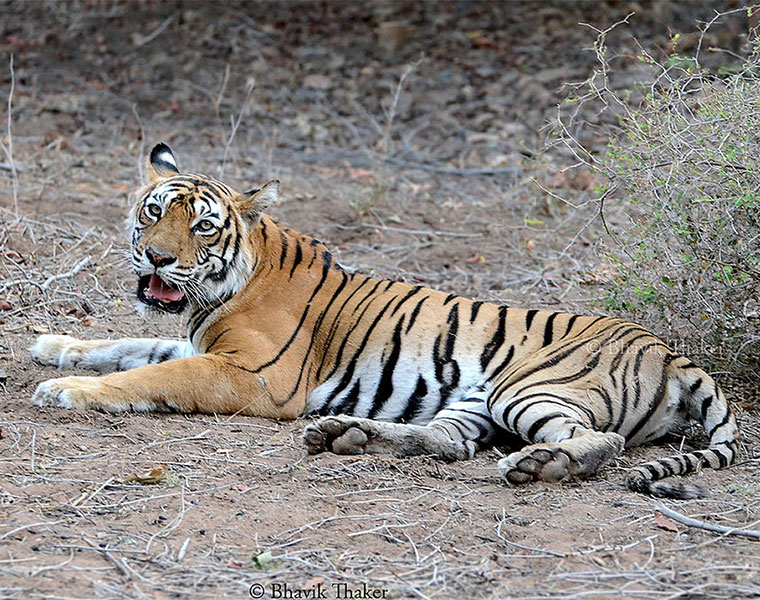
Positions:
(683, 160)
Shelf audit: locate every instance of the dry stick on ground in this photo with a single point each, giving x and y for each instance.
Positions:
(156, 32)
(29, 526)
(8, 150)
(754, 533)
(78, 267)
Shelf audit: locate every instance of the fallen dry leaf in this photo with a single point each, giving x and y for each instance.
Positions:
(156, 475)
(664, 523)
(361, 174)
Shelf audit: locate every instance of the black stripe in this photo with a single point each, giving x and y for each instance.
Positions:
(549, 330)
(503, 365)
(367, 295)
(570, 324)
(216, 339)
(414, 314)
(706, 403)
(284, 250)
(412, 409)
(496, 341)
(723, 421)
(529, 318)
(385, 387)
(409, 294)
(448, 299)
(545, 398)
(165, 355)
(443, 360)
(656, 399)
(152, 355)
(474, 309)
(296, 259)
(539, 423)
(623, 400)
(348, 403)
(588, 368)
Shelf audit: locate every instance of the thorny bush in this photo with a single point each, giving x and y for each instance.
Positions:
(683, 163)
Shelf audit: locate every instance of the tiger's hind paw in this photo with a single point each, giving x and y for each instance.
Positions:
(341, 435)
(535, 462)
(580, 457)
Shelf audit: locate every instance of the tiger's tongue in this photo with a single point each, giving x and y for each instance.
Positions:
(163, 291)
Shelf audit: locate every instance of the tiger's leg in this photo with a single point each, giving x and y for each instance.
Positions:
(205, 383)
(563, 441)
(455, 433)
(105, 356)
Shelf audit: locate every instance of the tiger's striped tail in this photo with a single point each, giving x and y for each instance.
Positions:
(705, 403)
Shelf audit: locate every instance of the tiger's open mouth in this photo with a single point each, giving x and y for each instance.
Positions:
(155, 292)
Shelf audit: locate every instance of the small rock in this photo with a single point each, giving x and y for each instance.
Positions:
(317, 81)
(5, 305)
(392, 35)
(3, 376)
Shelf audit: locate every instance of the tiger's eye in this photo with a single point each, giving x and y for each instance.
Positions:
(205, 225)
(154, 210)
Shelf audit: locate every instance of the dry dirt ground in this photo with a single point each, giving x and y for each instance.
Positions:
(424, 174)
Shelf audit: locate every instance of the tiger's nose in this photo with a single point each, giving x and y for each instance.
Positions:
(159, 259)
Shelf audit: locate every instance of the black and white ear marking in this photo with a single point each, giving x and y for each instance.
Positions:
(161, 163)
(256, 201)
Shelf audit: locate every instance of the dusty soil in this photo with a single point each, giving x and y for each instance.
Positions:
(430, 180)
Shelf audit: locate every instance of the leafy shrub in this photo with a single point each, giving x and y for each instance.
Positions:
(684, 159)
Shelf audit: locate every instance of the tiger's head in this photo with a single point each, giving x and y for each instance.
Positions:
(190, 237)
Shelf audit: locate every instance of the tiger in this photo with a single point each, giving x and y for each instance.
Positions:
(277, 328)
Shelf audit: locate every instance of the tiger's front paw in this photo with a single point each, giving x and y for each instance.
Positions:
(77, 393)
(57, 351)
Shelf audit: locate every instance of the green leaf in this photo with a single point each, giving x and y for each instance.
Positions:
(263, 560)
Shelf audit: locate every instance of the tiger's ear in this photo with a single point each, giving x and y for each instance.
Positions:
(256, 201)
(161, 163)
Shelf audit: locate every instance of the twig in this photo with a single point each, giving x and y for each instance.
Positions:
(200, 436)
(29, 526)
(84, 498)
(236, 124)
(119, 565)
(80, 265)
(451, 171)
(31, 460)
(9, 149)
(141, 156)
(415, 231)
(183, 550)
(753, 533)
(156, 32)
